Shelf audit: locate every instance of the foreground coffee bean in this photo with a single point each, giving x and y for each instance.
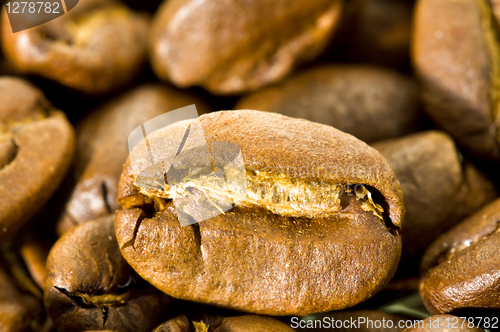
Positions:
(456, 56)
(439, 189)
(102, 148)
(248, 323)
(232, 47)
(36, 148)
(301, 238)
(96, 47)
(90, 286)
(462, 266)
(444, 323)
(367, 102)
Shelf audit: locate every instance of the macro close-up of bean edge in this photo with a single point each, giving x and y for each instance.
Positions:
(249, 165)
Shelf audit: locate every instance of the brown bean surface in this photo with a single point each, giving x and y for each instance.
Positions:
(36, 148)
(263, 257)
(462, 265)
(368, 102)
(96, 47)
(90, 285)
(233, 47)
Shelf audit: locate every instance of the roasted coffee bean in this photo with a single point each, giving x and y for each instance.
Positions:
(96, 47)
(439, 189)
(315, 229)
(90, 286)
(102, 148)
(232, 47)
(462, 265)
(457, 58)
(248, 323)
(367, 102)
(376, 32)
(20, 310)
(36, 148)
(364, 321)
(444, 323)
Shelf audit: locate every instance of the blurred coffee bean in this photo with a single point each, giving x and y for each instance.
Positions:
(462, 266)
(96, 47)
(36, 148)
(368, 102)
(34, 252)
(247, 323)
(439, 189)
(102, 148)
(376, 32)
(364, 321)
(20, 310)
(90, 286)
(444, 323)
(282, 249)
(231, 47)
(456, 56)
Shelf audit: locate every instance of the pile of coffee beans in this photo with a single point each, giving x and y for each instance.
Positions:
(340, 172)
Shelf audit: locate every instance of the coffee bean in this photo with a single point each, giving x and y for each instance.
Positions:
(19, 309)
(90, 286)
(298, 247)
(34, 251)
(439, 188)
(456, 56)
(96, 47)
(232, 47)
(35, 151)
(102, 148)
(368, 102)
(460, 265)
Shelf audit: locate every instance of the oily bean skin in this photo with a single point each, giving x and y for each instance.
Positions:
(439, 190)
(90, 286)
(367, 102)
(36, 148)
(96, 47)
(250, 258)
(455, 57)
(102, 148)
(247, 323)
(462, 265)
(444, 323)
(233, 47)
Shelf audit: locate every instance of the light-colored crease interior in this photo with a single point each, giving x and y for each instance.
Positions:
(278, 193)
